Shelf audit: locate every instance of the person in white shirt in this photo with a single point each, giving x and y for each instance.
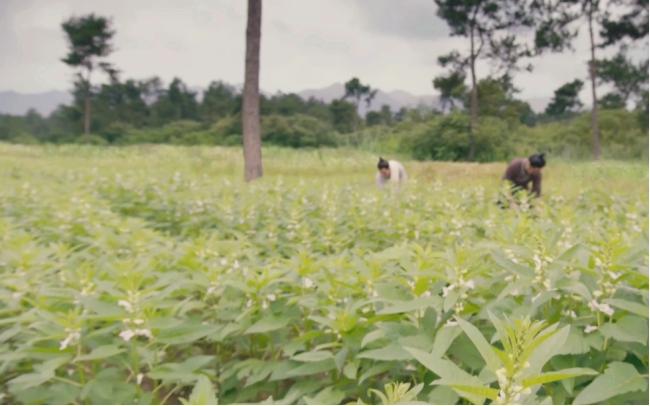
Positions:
(390, 171)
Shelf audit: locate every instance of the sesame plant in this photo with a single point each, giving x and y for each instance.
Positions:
(154, 275)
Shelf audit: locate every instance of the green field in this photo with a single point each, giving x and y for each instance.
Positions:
(153, 274)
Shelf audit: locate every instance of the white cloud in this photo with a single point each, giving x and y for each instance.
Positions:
(305, 44)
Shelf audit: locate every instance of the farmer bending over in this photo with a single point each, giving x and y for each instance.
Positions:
(390, 171)
(522, 171)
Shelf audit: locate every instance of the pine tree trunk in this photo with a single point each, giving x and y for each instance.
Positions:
(595, 131)
(87, 113)
(87, 97)
(251, 99)
(473, 106)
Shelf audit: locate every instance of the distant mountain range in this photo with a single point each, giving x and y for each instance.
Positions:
(46, 102)
(395, 99)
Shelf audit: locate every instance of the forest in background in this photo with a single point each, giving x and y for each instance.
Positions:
(479, 118)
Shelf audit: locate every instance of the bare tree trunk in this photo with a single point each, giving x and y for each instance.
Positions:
(473, 106)
(251, 99)
(87, 113)
(592, 74)
(87, 96)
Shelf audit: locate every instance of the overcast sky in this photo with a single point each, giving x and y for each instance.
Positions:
(392, 45)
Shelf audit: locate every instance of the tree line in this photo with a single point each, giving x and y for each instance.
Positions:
(507, 34)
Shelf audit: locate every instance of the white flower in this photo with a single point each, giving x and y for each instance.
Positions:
(602, 307)
(501, 376)
(144, 333)
(451, 322)
(265, 304)
(223, 262)
(126, 335)
(138, 322)
(308, 283)
(211, 289)
(235, 264)
(73, 336)
(469, 284)
(271, 297)
(249, 303)
(138, 378)
(590, 328)
(447, 289)
(126, 305)
(607, 309)
(426, 293)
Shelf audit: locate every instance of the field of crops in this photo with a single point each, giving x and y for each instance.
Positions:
(154, 275)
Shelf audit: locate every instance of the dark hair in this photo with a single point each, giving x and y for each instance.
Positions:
(537, 160)
(382, 164)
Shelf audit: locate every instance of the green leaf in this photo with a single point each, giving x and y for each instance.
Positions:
(557, 376)
(392, 352)
(267, 324)
(627, 329)
(203, 393)
(102, 352)
(505, 263)
(312, 356)
(340, 358)
(479, 391)
(484, 348)
(184, 372)
(442, 395)
(184, 334)
(311, 368)
(42, 373)
(109, 387)
(328, 396)
(575, 343)
(298, 390)
(449, 372)
(450, 300)
(372, 336)
(619, 378)
(632, 307)
(375, 370)
(30, 380)
(408, 306)
(571, 253)
(445, 336)
(549, 343)
(350, 369)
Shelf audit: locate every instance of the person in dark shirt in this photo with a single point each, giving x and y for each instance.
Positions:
(523, 171)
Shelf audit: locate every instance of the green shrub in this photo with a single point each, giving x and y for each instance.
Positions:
(24, 138)
(297, 131)
(176, 131)
(91, 139)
